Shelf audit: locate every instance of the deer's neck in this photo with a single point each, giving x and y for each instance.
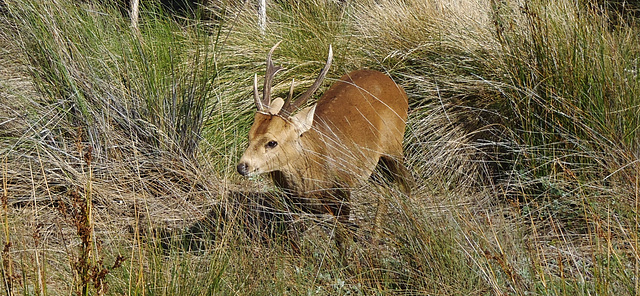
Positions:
(308, 172)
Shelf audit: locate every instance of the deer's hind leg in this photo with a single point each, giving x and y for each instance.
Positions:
(395, 171)
(389, 170)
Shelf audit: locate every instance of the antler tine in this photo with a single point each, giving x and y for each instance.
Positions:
(268, 78)
(292, 105)
(290, 97)
(256, 97)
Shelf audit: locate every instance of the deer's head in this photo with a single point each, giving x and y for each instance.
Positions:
(274, 137)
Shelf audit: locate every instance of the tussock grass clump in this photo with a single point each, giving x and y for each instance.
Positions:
(575, 80)
(136, 104)
(113, 81)
(572, 92)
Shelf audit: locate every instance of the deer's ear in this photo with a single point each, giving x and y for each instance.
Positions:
(276, 106)
(303, 120)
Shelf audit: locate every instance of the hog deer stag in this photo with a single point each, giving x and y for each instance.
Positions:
(319, 153)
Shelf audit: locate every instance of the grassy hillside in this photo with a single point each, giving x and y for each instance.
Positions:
(118, 149)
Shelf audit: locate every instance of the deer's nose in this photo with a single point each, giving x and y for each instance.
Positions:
(243, 169)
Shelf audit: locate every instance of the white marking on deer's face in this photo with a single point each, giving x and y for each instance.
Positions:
(274, 142)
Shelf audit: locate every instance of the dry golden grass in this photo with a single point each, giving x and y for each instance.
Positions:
(522, 138)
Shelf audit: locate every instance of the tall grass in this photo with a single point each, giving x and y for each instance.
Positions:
(111, 80)
(572, 92)
(137, 100)
(522, 137)
(576, 81)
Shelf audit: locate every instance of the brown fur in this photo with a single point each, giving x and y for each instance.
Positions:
(358, 124)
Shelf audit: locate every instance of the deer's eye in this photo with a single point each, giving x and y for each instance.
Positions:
(272, 144)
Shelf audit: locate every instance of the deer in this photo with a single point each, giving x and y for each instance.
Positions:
(318, 154)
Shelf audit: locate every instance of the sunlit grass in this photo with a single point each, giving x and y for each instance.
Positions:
(522, 137)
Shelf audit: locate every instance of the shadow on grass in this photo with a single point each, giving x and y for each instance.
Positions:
(258, 216)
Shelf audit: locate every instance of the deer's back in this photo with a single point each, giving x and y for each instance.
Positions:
(361, 117)
(364, 107)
